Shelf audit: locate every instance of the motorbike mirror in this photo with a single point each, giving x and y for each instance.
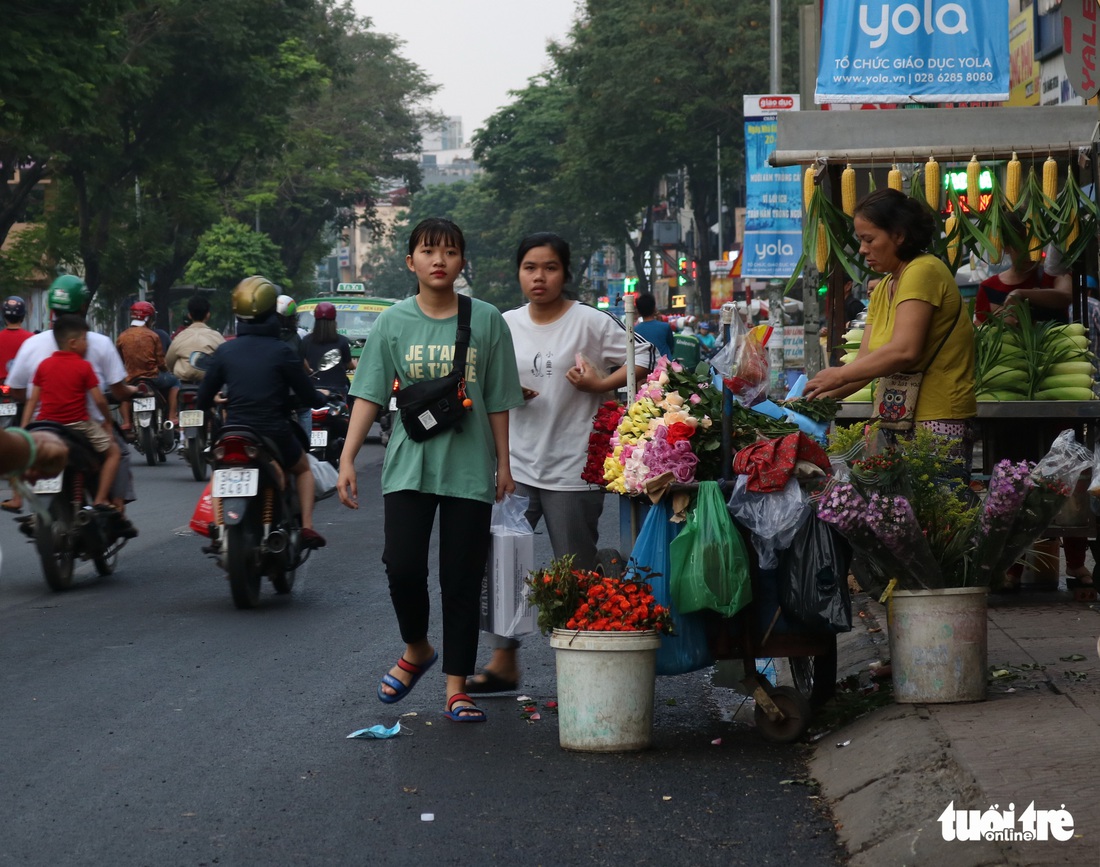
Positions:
(329, 360)
(200, 360)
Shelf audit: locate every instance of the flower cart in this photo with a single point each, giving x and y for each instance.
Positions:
(672, 441)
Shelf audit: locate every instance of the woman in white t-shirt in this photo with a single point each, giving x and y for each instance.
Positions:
(563, 350)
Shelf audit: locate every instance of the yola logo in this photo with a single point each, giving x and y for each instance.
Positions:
(907, 18)
(1003, 825)
(777, 249)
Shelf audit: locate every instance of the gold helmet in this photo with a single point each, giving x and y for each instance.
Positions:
(254, 297)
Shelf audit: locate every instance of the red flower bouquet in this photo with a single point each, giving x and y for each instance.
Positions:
(569, 598)
(604, 424)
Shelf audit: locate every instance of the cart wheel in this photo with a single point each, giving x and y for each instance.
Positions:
(796, 716)
(610, 563)
(815, 676)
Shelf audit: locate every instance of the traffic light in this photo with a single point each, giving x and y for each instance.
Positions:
(681, 270)
(694, 270)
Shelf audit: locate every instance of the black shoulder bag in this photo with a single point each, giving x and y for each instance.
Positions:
(428, 408)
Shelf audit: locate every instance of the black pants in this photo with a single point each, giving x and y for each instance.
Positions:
(463, 551)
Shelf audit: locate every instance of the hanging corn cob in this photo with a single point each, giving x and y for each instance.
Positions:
(822, 257)
(893, 180)
(1013, 181)
(953, 234)
(932, 183)
(848, 190)
(973, 185)
(808, 188)
(1050, 178)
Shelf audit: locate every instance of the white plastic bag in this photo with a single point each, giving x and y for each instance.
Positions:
(504, 606)
(773, 518)
(324, 477)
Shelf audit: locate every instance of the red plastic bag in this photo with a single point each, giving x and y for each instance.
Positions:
(204, 513)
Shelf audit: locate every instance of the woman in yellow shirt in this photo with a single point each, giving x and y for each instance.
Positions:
(917, 320)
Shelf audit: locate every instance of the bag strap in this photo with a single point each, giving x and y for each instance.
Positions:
(462, 333)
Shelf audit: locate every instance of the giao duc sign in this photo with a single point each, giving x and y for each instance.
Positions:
(918, 51)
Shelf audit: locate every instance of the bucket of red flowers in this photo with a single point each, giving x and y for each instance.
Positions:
(605, 631)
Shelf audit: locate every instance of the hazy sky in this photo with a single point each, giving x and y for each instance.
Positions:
(476, 50)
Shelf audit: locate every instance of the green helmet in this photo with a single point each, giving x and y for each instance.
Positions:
(68, 294)
(254, 297)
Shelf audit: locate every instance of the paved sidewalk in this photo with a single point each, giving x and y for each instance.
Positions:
(1036, 739)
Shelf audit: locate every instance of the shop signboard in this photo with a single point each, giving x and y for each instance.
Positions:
(923, 51)
(1079, 31)
(773, 196)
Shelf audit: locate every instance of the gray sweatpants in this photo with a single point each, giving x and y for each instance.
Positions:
(573, 522)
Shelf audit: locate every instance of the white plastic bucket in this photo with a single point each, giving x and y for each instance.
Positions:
(605, 689)
(938, 644)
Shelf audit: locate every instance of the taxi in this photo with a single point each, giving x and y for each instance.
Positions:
(355, 316)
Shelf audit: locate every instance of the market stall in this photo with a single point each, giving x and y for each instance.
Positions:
(1067, 136)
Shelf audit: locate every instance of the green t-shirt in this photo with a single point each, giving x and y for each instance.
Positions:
(947, 390)
(413, 347)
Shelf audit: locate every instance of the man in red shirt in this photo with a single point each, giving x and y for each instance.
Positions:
(62, 384)
(143, 354)
(13, 334)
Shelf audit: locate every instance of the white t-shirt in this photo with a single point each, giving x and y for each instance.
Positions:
(101, 354)
(548, 435)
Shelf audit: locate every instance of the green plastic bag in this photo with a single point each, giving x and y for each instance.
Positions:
(710, 566)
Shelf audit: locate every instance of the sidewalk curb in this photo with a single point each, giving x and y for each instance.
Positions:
(888, 775)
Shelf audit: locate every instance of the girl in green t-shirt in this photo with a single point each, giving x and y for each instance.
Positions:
(459, 473)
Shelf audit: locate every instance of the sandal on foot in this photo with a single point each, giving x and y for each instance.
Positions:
(10, 506)
(467, 713)
(1076, 583)
(489, 681)
(400, 689)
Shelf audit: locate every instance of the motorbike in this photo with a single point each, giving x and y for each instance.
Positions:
(195, 429)
(257, 517)
(62, 522)
(330, 429)
(9, 409)
(386, 414)
(156, 436)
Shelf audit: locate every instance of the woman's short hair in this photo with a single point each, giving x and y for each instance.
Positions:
(546, 239)
(894, 212)
(436, 230)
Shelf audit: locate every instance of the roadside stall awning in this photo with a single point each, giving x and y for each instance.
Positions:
(912, 135)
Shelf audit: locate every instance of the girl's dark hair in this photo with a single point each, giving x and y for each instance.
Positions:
(434, 231)
(893, 211)
(546, 239)
(324, 331)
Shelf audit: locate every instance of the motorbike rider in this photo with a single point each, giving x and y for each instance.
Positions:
(286, 309)
(260, 372)
(69, 294)
(13, 334)
(11, 338)
(143, 354)
(323, 339)
(196, 337)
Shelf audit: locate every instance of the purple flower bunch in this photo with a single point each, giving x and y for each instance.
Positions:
(1008, 486)
(661, 456)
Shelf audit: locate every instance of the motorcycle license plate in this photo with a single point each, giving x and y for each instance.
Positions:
(235, 483)
(318, 439)
(48, 486)
(145, 404)
(8, 408)
(191, 418)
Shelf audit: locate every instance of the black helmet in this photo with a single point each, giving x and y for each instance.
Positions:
(15, 309)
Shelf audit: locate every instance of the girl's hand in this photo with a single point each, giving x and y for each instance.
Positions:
(505, 483)
(529, 393)
(584, 377)
(347, 488)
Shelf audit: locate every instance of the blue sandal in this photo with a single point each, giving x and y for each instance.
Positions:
(467, 713)
(400, 689)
